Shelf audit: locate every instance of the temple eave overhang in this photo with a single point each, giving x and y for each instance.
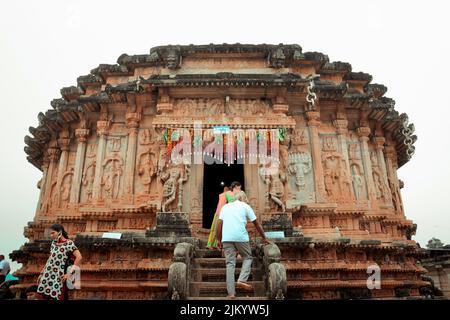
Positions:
(331, 81)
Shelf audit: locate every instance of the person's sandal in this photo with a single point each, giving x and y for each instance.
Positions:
(245, 286)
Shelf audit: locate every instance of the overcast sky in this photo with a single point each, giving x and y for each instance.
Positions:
(46, 45)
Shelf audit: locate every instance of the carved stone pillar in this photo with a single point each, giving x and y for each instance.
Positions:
(391, 168)
(379, 144)
(53, 156)
(363, 133)
(132, 122)
(342, 130)
(313, 123)
(64, 144)
(81, 135)
(102, 131)
(43, 182)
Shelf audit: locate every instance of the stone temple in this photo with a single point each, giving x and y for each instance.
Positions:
(333, 205)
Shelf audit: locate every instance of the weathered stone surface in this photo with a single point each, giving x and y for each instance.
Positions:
(104, 150)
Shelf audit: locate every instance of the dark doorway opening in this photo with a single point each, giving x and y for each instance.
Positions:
(215, 177)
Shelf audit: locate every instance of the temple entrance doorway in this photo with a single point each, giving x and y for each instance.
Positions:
(215, 177)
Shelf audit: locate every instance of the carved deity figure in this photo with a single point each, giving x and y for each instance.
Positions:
(173, 178)
(300, 164)
(246, 107)
(379, 190)
(88, 180)
(275, 180)
(346, 179)
(299, 140)
(53, 196)
(332, 174)
(111, 177)
(374, 159)
(66, 186)
(395, 189)
(357, 181)
(147, 160)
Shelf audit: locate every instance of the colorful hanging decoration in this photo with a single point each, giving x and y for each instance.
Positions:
(240, 144)
(169, 143)
(281, 134)
(225, 139)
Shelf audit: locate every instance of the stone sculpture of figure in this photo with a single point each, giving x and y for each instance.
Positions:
(275, 185)
(284, 156)
(111, 177)
(173, 179)
(173, 58)
(145, 137)
(147, 169)
(147, 160)
(346, 180)
(88, 180)
(53, 196)
(299, 165)
(374, 159)
(163, 157)
(357, 181)
(332, 174)
(396, 201)
(299, 140)
(66, 186)
(378, 185)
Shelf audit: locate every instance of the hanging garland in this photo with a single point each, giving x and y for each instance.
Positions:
(169, 142)
(281, 134)
(171, 137)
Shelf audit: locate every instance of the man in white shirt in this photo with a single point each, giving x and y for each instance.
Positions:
(232, 235)
(4, 268)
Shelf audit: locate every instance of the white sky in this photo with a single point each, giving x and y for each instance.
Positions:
(46, 45)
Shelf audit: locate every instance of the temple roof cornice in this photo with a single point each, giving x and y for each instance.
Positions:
(283, 65)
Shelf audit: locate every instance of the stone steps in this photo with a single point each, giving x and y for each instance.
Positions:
(219, 274)
(219, 289)
(210, 263)
(208, 277)
(208, 253)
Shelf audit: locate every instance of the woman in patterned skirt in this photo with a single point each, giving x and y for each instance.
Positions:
(63, 253)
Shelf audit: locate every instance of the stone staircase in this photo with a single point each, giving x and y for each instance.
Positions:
(208, 277)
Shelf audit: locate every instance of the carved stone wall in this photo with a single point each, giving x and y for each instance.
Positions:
(105, 154)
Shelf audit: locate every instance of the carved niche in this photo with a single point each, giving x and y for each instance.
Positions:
(113, 168)
(338, 185)
(87, 181)
(356, 169)
(382, 191)
(296, 159)
(65, 188)
(147, 159)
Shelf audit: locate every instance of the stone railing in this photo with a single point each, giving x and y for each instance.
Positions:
(180, 271)
(275, 273)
